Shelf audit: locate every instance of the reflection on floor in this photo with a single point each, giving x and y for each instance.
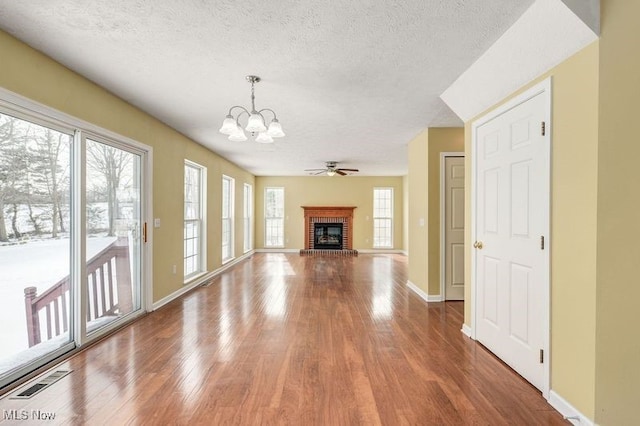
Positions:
(289, 339)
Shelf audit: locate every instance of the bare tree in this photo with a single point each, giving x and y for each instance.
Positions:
(111, 163)
(51, 175)
(12, 165)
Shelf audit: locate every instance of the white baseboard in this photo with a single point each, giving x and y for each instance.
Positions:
(568, 411)
(277, 250)
(360, 251)
(379, 251)
(424, 296)
(185, 289)
(199, 281)
(417, 290)
(466, 330)
(232, 262)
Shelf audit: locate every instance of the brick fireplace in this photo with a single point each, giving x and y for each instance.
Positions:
(325, 216)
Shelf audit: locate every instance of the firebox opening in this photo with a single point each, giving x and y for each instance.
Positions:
(327, 236)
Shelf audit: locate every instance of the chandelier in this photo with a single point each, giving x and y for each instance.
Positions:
(256, 124)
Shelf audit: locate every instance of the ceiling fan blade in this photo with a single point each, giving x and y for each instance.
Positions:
(314, 170)
(348, 170)
(340, 172)
(321, 172)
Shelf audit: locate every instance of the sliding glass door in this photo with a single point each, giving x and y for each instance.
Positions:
(35, 244)
(113, 233)
(72, 209)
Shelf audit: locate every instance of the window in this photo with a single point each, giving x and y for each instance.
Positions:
(227, 218)
(247, 217)
(383, 217)
(194, 229)
(274, 217)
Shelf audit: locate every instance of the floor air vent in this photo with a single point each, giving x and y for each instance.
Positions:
(41, 384)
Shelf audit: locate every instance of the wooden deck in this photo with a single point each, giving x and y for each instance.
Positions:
(290, 339)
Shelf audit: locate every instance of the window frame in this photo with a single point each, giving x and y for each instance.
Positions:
(268, 218)
(377, 218)
(227, 215)
(247, 217)
(202, 212)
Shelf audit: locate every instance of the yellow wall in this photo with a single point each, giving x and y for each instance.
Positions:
(418, 211)
(618, 265)
(440, 140)
(405, 214)
(574, 174)
(31, 74)
(424, 204)
(330, 191)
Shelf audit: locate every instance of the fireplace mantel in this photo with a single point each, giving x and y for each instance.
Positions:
(328, 211)
(314, 214)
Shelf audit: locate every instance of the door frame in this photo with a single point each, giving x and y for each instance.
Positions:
(443, 249)
(34, 111)
(542, 88)
(145, 153)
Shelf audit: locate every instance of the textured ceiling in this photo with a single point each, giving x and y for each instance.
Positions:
(560, 33)
(351, 81)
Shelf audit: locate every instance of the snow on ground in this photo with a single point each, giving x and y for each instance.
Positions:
(41, 264)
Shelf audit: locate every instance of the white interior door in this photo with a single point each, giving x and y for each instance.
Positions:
(512, 220)
(454, 228)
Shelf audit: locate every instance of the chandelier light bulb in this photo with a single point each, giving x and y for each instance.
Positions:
(255, 123)
(331, 172)
(238, 135)
(228, 125)
(275, 129)
(263, 137)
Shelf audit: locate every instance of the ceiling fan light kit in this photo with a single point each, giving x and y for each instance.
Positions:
(256, 123)
(331, 169)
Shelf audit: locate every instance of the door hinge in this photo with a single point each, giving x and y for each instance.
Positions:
(543, 128)
(541, 356)
(541, 242)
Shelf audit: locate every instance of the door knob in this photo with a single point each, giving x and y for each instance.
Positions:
(478, 245)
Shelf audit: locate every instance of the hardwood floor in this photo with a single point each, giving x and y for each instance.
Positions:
(285, 339)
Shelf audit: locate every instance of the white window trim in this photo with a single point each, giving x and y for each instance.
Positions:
(247, 214)
(203, 222)
(231, 220)
(269, 217)
(390, 246)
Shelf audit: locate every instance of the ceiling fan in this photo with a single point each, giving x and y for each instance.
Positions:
(331, 169)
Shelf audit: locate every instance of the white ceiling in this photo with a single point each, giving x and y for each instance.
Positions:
(351, 81)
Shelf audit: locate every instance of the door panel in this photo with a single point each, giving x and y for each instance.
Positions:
(490, 205)
(512, 212)
(35, 244)
(114, 194)
(454, 228)
(490, 306)
(457, 267)
(520, 195)
(519, 302)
